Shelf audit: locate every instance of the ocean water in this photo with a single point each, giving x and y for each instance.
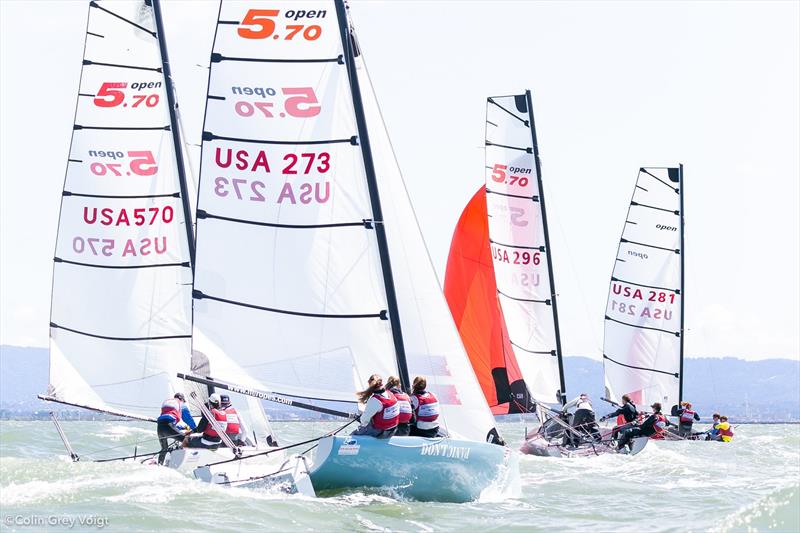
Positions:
(752, 484)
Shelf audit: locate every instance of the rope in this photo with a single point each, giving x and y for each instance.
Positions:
(135, 443)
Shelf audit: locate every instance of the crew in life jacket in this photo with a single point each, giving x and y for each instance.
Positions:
(626, 415)
(653, 427)
(208, 436)
(686, 417)
(381, 410)
(426, 410)
(172, 423)
(406, 413)
(235, 428)
(724, 429)
(713, 433)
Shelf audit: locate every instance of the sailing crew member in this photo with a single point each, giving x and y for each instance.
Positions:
(206, 435)
(713, 434)
(583, 421)
(627, 411)
(406, 413)
(175, 416)
(234, 424)
(426, 410)
(381, 410)
(653, 427)
(724, 429)
(686, 417)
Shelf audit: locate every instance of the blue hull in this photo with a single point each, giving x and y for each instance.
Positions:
(445, 470)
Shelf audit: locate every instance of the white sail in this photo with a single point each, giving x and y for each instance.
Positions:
(518, 243)
(120, 321)
(643, 323)
(432, 343)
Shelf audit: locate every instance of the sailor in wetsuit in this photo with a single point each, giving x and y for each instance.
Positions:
(653, 426)
(628, 412)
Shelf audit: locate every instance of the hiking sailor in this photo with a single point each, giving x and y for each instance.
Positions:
(381, 410)
(583, 421)
(653, 426)
(234, 428)
(173, 422)
(208, 436)
(686, 418)
(406, 413)
(713, 432)
(426, 410)
(724, 429)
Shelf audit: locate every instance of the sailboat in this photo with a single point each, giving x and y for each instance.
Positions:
(311, 272)
(644, 319)
(121, 311)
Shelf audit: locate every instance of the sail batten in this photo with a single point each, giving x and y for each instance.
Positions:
(644, 320)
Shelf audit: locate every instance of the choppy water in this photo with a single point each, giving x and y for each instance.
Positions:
(752, 484)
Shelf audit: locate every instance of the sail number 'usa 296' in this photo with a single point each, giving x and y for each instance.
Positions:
(262, 24)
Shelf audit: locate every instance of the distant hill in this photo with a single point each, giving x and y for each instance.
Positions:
(753, 390)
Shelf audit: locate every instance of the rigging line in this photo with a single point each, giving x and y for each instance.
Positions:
(109, 128)
(492, 123)
(538, 248)
(95, 35)
(623, 240)
(526, 300)
(674, 374)
(526, 150)
(676, 333)
(218, 58)
(94, 4)
(508, 195)
(117, 65)
(120, 267)
(673, 211)
(659, 179)
(199, 295)
(97, 409)
(208, 136)
(676, 291)
(159, 338)
(551, 352)
(122, 197)
(202, 214)
(491, 101)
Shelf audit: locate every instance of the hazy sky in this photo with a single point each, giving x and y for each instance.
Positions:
(616, 85)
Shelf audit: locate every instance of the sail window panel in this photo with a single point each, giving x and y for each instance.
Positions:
(293, 103)
(332, 271)
(116, 41)
(514, 221)
(651, 267)
(278, 30)
(511, 172)
(122, 232)
(126, 376)
(506, 123)
(653, 227)
(305, 356)
(650, 360)
(122, 163)
(122, 303)
(541, 375)
(119, 98)
(293, 184)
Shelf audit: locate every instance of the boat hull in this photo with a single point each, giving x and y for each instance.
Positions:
(438, 469)
(540, 447)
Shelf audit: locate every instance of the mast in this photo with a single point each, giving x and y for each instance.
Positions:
(680, 380)
(175, 129)
(375, 201)
(563, 395)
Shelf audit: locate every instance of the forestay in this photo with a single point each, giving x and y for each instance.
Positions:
(120, 321)
(519, 245)
(643, 321)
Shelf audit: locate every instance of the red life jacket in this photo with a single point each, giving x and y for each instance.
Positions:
(687, 416)
(222, 420)
(389, 414)
(428, 407)
(659, 426)
(172, 407)
(728, 432)
(232, 417)
(405, 405)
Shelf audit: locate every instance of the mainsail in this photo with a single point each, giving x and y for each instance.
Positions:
(643, 346)
(516, 236)
(120, 324)
(292, 274)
